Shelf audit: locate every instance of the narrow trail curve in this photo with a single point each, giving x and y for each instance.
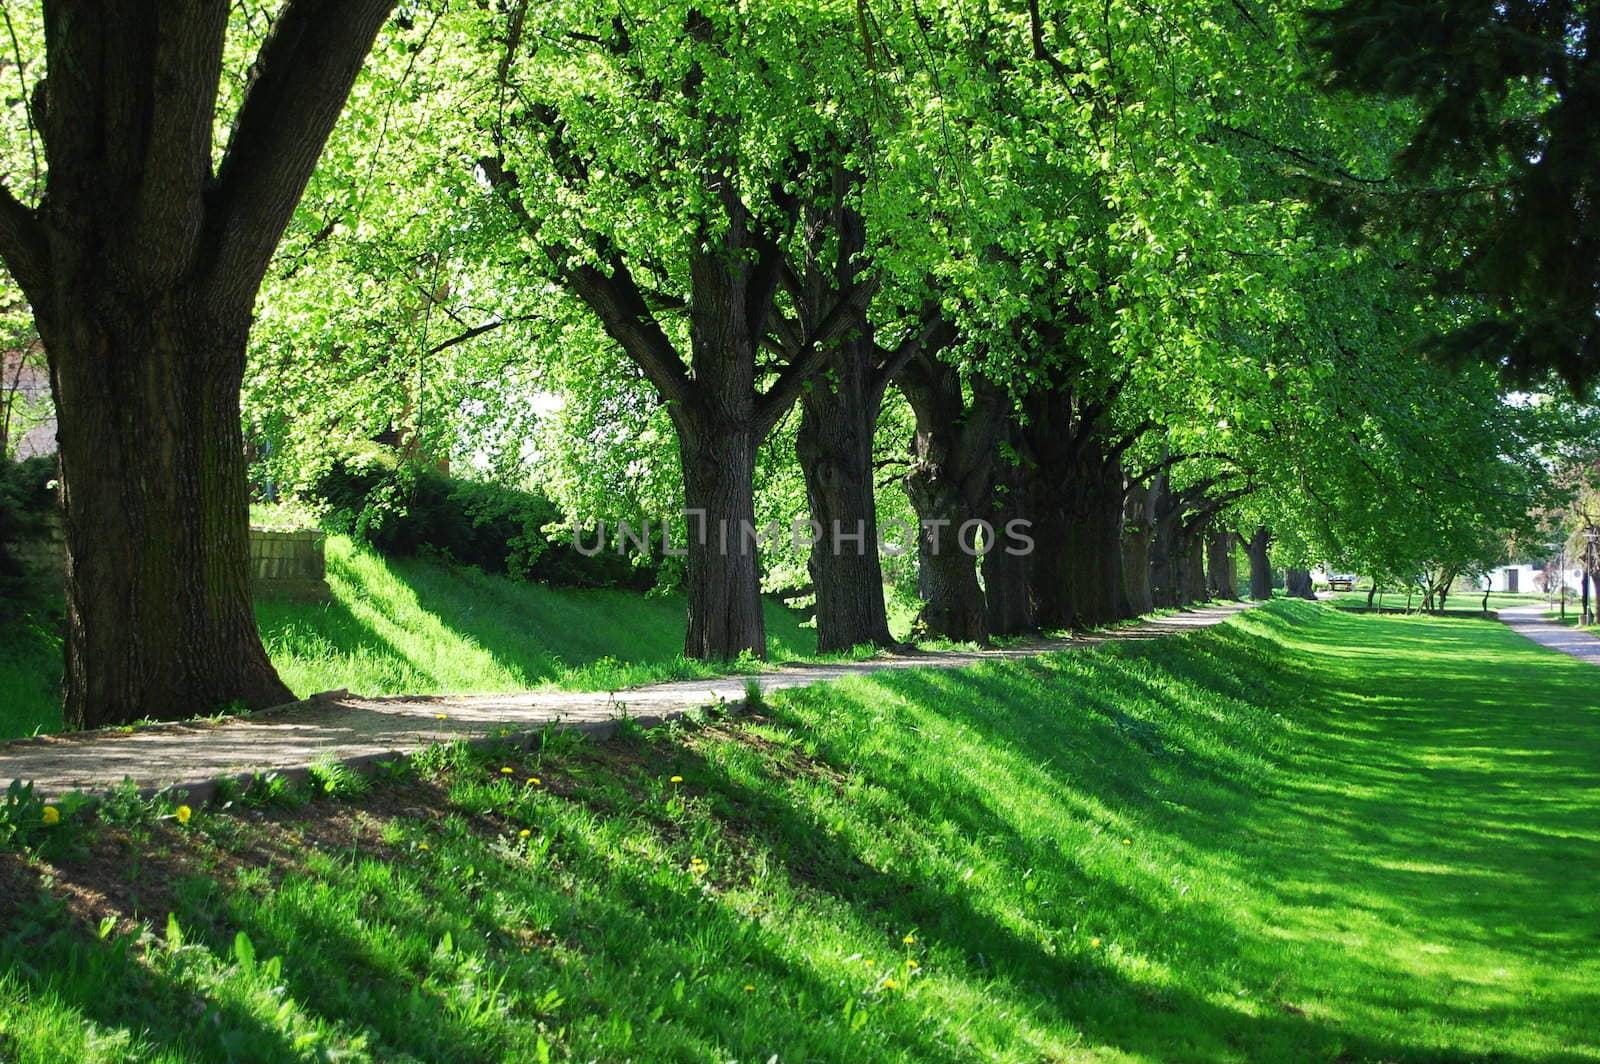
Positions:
(1529, 621)
(356, 730)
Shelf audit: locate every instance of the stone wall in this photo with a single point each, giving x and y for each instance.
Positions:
(282, 564)
(43, 556)
(288, 564)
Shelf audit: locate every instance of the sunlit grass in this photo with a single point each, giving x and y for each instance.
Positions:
(1301, 836)
(415, 626)
(1466, 601)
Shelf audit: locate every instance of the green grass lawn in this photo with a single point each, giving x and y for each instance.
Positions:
(1458, 600)
(30, 670)
(412, 626)
(1302, 836)
(1572, 619)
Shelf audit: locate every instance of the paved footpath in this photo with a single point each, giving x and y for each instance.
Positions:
(354, 729)
(1530, 621)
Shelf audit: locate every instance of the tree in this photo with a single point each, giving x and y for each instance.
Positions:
(684, 265)
(1497, 176)
(141, 261)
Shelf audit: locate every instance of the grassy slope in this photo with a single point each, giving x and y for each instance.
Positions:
(410, 626)
(399, 626)
(1303, 836)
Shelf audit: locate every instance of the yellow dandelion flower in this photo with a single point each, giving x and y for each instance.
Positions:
(676, 779)
(890, 984)
(1094, 942)
(422, 846)
(909, 939)
(748, 987)
(533, 781)
(524, 833)
(183, 814)
(51, 816)
(507, 770)
(442, 716)
(867, 961)
(912, 964)
(1127, 842)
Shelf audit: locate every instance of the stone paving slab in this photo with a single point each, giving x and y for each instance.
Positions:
(355, 729)
(1530, 622)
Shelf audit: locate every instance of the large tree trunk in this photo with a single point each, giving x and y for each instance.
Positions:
(1297, 584)
(718, 433)
(1165, 521)
(950, 484)
(1136, 535)
(954, 607)
(839, 415)
(838, 420)
(1078, 579)
(142, 264)
(1005, 573)
(1260, 564)
(1075, 492)
(1096, 588)
(1222, 576)
(159, 616)
(722, 576)
(1192, 570)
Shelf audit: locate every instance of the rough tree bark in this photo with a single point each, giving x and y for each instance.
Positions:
(1297, 584)
(1093, 588)
(1136, 534)
(142, 265)
(950, 483)
(1006, 574)
(1165, 512)
(1076, 492)
(1191, 568)
(838, 418)
(838, 422)
(1221, 574)
(1260, 564)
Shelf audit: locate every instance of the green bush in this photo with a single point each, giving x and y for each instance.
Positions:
(402, 509)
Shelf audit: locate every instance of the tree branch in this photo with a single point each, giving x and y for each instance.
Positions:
(1301, 156)
(307, 67)
(24, 247)
(477, 331)
(932, 333)
(616, 300)
(813, 353)
(1173, 459)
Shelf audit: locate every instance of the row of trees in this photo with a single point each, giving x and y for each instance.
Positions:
(1097, 270)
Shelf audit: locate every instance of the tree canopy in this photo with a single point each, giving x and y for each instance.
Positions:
(1148, 281)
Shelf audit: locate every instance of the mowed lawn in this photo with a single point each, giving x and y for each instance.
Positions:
(1303, 836)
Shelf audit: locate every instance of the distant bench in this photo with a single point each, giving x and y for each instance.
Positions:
(1341, 583)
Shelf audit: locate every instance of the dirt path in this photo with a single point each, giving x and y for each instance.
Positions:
(1529, 620)
(355, 729)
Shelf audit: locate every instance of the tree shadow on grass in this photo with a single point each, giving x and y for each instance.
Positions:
(1095, 736)
(1265, 819)
(1018, 971)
